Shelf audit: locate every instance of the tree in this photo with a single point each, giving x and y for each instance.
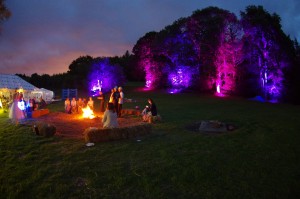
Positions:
(4, 12)
(264, 51)
(105, 74)
(144, 49)
(228, 56)
(205, 27)
(79, 70)
(129, 63)
(181, 62)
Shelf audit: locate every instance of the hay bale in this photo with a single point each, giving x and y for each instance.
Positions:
(130, 112)
(40, 112)
(44, 129)
(153, 119)
(94, 135)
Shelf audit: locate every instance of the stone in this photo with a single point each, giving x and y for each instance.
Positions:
(213, 126)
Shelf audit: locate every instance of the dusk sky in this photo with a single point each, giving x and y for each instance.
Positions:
(45, 36)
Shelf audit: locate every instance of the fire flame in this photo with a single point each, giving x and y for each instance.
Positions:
(88, 113)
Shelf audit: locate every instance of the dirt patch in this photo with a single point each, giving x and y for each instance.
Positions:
(73, 125)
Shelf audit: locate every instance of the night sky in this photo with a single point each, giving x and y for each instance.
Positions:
(45, 36)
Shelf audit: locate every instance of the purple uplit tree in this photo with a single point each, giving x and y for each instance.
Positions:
(228, 56)
(183, 64)
(263, 50)
(210, 30)
(212, 51)
(104, 75)
(144, 49)
(181, 78)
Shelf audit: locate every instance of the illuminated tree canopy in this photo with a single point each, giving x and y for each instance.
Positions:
(215, 52)
(104, 75)
(211, 51)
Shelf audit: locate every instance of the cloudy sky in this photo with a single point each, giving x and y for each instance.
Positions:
(45, 36)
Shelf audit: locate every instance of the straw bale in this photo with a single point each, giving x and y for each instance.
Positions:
(45, 129)
(94, 134)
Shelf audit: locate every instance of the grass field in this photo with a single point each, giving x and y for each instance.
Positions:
(261, 159)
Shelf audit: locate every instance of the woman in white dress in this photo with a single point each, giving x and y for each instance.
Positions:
(15, 113)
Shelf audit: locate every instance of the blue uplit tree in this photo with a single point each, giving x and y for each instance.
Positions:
(105, 75)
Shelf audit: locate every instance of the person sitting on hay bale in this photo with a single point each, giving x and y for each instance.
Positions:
(73, 105)
(80, 105)
(90, 103)
(149, 114)
(68, 106)
(110, 117)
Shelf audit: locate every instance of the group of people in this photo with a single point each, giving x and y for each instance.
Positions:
(76, 106)
(110, 115)
(20, 109)
(113, 109)
(117, 99)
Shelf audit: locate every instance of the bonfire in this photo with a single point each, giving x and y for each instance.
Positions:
(88, 113)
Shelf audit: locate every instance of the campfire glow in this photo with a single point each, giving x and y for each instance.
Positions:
(88, 113)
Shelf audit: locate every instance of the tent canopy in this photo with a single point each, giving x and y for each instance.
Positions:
(47, 95)
(14, 82)
(9, 83)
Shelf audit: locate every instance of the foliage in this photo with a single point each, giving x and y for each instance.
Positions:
(79, 71)
(264, 50)
(142, 50)
(4, 12)
(249, 57)
(228, 56)
(106, 74)
(129, 63)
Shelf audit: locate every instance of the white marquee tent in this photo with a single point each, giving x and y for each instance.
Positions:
(47, 95)
(10, 83)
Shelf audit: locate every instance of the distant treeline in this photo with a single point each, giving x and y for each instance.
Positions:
(79, 73)
(210, 51)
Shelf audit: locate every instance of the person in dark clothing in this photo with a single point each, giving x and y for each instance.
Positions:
(152, 107)
(116, 97)
(43, 104)
(102, 100)
(150, 111)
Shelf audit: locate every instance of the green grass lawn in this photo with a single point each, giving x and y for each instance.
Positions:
(261, 159)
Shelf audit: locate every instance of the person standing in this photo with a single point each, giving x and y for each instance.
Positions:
(116, 98)
(15, 113)
(43, 104)
(111, 97)
(102, 100)
(120, 101)
(30, 105)
(22, 106)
